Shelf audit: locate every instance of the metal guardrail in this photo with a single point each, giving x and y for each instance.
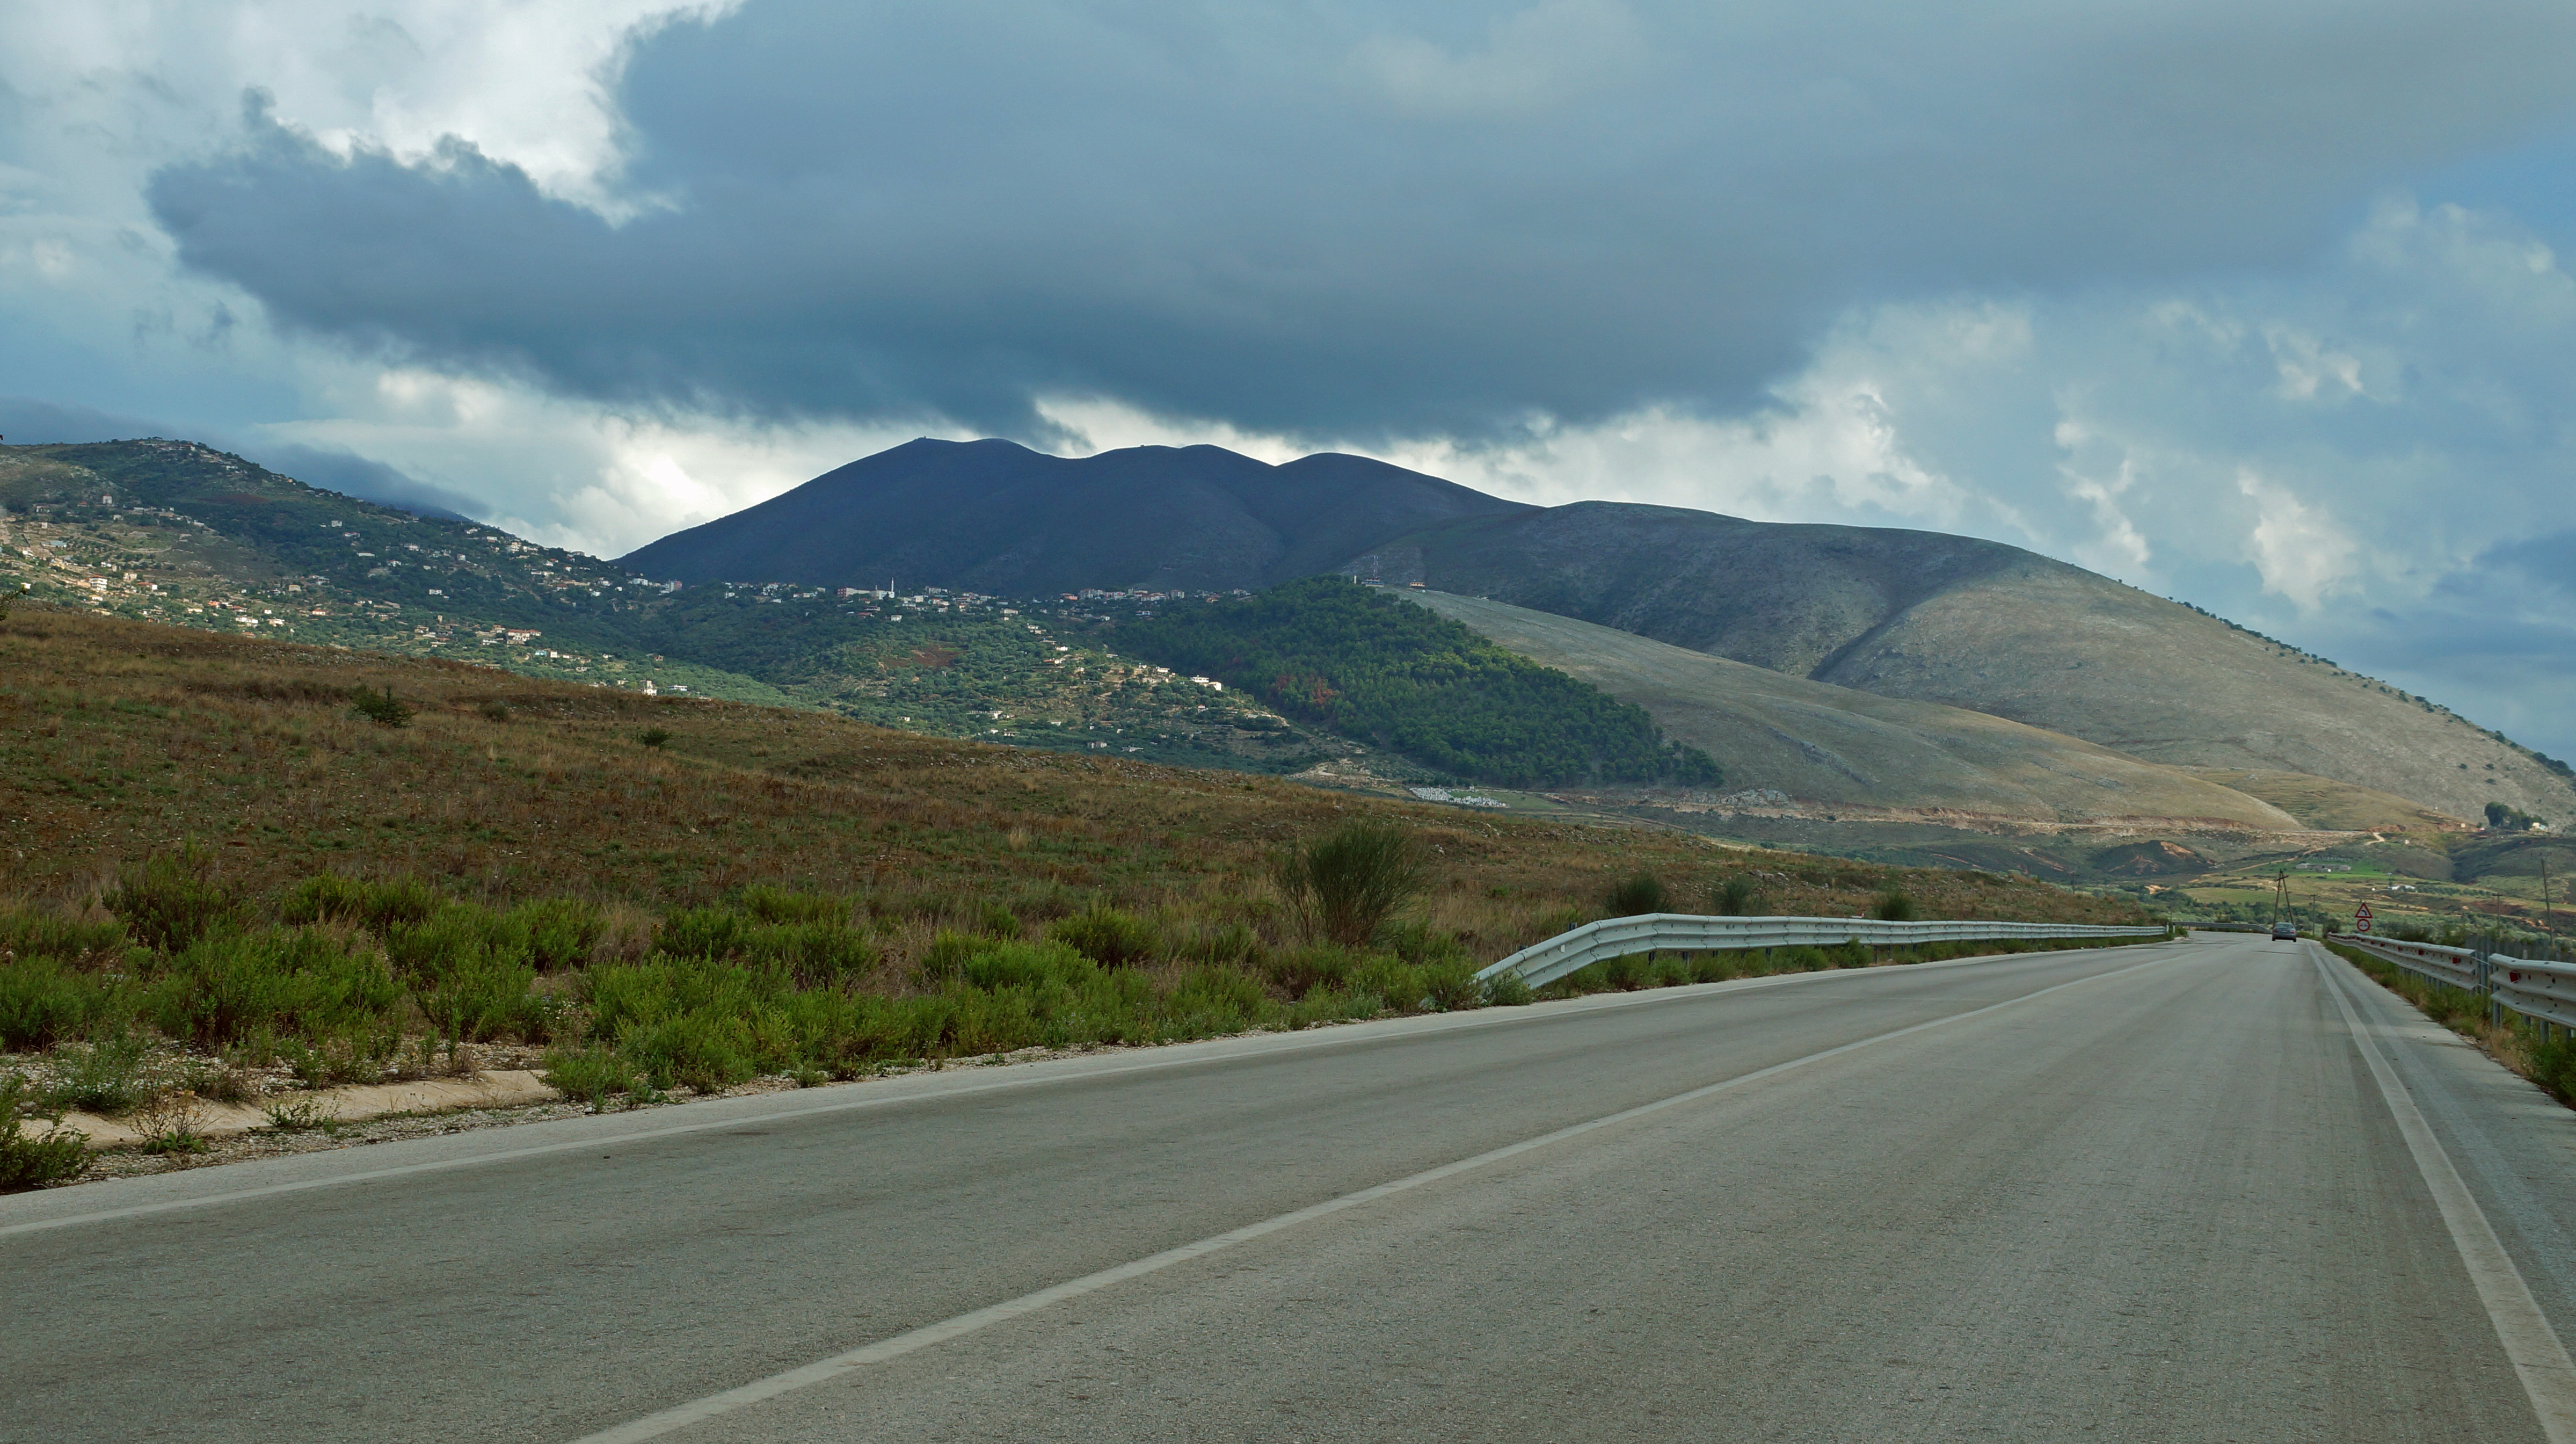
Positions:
(2542, 991)
(2457, 967)
(1543, 963)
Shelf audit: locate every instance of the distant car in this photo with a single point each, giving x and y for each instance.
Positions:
(2284, 933)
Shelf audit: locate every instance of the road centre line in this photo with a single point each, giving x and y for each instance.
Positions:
(822, 1371)
(2539, 1359)
(1325, 1038)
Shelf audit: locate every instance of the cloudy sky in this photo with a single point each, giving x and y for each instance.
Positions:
(2266, 306)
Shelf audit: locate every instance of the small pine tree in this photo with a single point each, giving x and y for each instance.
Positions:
(382, 708)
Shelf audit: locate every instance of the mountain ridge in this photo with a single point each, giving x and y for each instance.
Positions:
(993, 516)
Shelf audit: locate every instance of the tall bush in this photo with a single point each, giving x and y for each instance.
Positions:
(171, 900)
(1637, 896)
(1735, 897)
(1354, 878)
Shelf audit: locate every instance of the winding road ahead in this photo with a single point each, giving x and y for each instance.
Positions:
(2152, 1193)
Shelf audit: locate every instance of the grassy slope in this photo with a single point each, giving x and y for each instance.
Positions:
(119, 738)
(1817, 742)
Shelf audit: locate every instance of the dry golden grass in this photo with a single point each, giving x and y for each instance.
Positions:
(119, 739)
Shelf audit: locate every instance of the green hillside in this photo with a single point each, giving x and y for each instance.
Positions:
(176, 532)
(1356, 660)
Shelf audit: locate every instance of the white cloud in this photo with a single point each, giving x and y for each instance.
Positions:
(571, 474)
(141, 82)
(2302, 554)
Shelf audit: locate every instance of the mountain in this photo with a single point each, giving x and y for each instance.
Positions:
(997, 518)
(1981, 626)
(1820, 743)
(175, 531)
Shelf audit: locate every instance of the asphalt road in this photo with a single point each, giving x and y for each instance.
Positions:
(2145, 1193)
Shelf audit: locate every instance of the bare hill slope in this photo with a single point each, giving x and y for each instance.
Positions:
(1822, 743)
(1982, 626)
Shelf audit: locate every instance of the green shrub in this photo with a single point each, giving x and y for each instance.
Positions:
(817, 946)
(2553, 1066)
(778, 905)
(1508, 990)
(25, 1162)
(170, 900)
(487, 998)
(1352, 879)
(1234, 943)
(558, 933)
(947, 954)
(355, 1050)
(817, 953)
(1627, 974)
(379, 907)
(1214, 1000)
(1637, 896)
(1107, 936)
(1451, 987)
(284, 980)
(31, 933)
(701, 932)
(997, 965)
(654, 736)
(703, 1049)
(454, 936)
(1894, 905)
(105, 1077)
(43, 1003)
(1736, 897)
(382, 708)
(1000, 921)
(1300, 971)
(591, 1074)
(1420, 942)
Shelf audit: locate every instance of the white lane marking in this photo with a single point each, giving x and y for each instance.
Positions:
(821, 1371)
(2548, 1375)
(1327, 1039)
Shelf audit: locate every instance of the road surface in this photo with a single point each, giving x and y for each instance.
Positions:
(2149, 1193)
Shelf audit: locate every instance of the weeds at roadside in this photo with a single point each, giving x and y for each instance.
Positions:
(301, 1115)
(49, 1157)
(104, 1077)
(171, 1124)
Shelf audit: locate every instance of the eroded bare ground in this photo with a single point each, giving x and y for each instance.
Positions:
(323, 1133)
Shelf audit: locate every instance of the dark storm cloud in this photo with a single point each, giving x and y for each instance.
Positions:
(1344, 220)
(2548, 560)
(25, 421)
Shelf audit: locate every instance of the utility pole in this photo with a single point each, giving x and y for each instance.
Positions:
(2545, 929)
